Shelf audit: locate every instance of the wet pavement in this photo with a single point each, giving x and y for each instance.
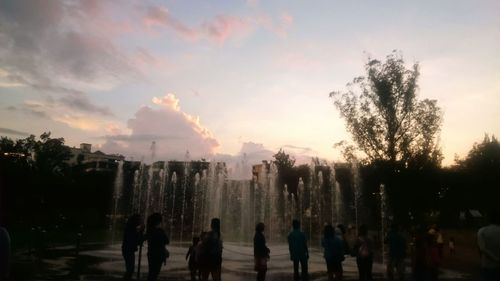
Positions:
(99, 262)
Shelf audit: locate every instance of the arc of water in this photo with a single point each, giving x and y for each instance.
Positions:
(195, 200)
(357, 194)
(172, 216)
(204, 194)
(273, 198)
(285, 204)
(147, 204)
(320, 201)
(184, 187)
(301, 199)
(139, 188)
(311, 196)
(116, 196)
(136, 190)
(332, 193)
(164, 180)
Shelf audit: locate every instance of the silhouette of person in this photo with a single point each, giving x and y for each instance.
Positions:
(132, 237)
(363, 249)
(299, 253)
(434, 258)
(211, 252)
(4, 253)
(260, 252)
(420, 256)
(344, 236)
(191, 254)
(333, 252)
(157, 240)
(488, 240)
(396, 243)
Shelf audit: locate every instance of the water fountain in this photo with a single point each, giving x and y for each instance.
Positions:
(190, 193)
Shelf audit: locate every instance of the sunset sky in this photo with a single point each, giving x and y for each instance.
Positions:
(228, 77)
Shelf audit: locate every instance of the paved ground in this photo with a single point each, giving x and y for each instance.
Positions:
(105, 263)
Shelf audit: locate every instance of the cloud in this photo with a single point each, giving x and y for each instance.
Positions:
(173, 130)
(74, 110)
(55, 46)
(218, 29)
(83, 103)
(8, 131)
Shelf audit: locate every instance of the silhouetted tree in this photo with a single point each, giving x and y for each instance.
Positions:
(482, 156)
(285, 163)
(283, 160)
(481, 167)
(51, 154)
(386, 119)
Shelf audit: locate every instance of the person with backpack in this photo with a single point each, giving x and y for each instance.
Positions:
(363, 250)
(333, 253)
(157, 240)
(191, 254)
(297, 245)
(210, 255)
(260, 252)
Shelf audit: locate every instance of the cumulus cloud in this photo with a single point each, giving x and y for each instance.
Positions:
(173, 131)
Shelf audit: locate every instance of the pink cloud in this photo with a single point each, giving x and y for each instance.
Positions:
(160, 17)
(223, 27)
(218, 29)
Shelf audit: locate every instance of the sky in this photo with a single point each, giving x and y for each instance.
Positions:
(231, 77)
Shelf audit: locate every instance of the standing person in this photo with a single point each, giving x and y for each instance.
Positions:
(333, 253)
(260, 252)
(434, 257)
(345, 238)
(132, 237)
(420, 256)
(157, 240)
(488, 240)
(211, 252)
(363, 249)
(191, 254)
(396, 243)
(299, 253)
(4, 253)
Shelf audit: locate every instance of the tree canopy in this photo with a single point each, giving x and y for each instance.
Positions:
(387, 120)
(48, 154)
(483, 156)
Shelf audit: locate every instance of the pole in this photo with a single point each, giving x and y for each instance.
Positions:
(139, 263)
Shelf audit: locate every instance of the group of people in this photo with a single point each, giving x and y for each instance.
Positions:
(205, 253)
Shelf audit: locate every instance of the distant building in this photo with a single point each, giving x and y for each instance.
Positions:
(92, 160)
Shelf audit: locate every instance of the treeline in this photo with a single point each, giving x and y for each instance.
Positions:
(38, 189)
